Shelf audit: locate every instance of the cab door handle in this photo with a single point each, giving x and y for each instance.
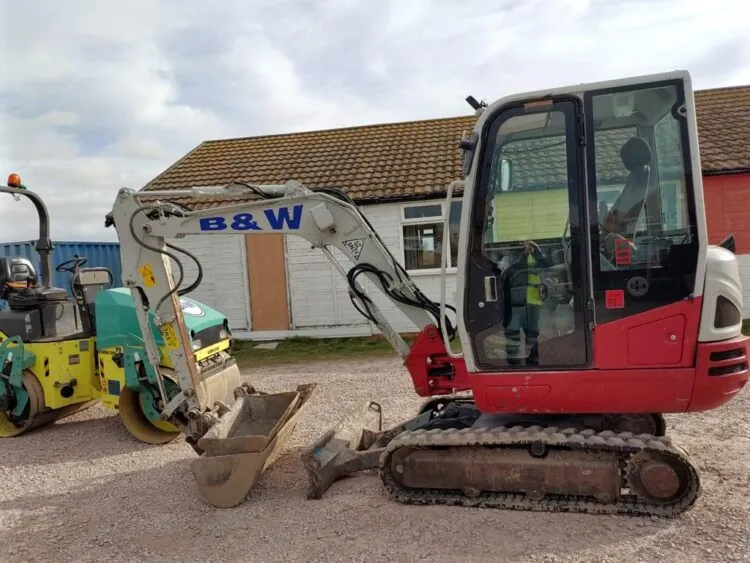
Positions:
(490, 289)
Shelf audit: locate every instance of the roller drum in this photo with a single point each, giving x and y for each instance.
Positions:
(37, 415)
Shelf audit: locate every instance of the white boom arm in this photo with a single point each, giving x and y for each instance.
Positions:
(325, 218)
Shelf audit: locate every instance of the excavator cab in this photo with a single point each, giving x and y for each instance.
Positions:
(592, 212)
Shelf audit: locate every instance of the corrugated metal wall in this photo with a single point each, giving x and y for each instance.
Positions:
(98, 254)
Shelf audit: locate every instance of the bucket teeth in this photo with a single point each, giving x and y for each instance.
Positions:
(246, 441)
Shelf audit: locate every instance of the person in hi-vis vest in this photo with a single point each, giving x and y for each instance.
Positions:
(523, 303)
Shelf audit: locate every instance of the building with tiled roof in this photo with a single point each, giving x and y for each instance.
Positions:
(274, 286)
(414, 159)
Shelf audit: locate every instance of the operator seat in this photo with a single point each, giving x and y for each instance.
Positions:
(16, 273)
(35, 312)
(622, 218)
(19, 283)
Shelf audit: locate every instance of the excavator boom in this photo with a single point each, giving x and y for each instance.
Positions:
(197, 401)
(327, 219)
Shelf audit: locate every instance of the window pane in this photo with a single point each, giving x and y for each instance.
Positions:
(640, 178)
(530, 187)
(423, 246)
(422, 211)
(645, 246)
(671, 171)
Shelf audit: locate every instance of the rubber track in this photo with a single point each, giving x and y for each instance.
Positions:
(625, 444)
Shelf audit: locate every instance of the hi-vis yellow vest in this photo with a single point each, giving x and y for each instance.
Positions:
(533, 293)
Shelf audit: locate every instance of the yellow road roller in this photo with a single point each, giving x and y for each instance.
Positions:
(62, 350)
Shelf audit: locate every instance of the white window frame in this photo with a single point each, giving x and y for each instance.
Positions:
(435, 220)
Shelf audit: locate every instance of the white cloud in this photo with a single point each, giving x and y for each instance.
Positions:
(99, 95)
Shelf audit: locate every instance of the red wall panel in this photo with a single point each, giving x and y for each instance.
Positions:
(728, 209)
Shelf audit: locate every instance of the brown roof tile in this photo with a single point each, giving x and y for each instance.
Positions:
(724, 128)
(412, 159)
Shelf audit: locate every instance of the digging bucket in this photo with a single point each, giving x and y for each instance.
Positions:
(355, 444)
(349, 447)
(245, 442)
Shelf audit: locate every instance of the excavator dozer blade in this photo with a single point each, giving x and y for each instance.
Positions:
(245, 442)
(347, 448)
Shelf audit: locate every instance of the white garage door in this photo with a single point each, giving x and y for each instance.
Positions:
(224, 283)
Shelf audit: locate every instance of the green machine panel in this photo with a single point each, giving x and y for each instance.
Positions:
(116, 318)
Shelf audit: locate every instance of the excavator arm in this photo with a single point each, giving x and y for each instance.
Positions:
(231, 462)
(326, 218)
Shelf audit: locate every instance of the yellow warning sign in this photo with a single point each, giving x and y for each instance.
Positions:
(170, 336)
(147, 273)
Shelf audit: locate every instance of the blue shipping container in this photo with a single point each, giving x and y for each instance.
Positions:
(98, 254)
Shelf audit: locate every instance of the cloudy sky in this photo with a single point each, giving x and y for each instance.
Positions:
(98, 94)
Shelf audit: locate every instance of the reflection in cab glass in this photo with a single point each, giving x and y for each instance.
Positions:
(525, 236)
(645, 243)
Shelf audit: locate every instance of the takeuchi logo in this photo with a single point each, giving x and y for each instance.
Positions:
(191, 308)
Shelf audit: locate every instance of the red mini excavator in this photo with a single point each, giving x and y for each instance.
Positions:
(588, 303)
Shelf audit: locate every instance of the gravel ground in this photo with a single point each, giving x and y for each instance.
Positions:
(84, 490)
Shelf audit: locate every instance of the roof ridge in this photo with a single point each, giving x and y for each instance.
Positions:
(721, 88)
(338, 129)
(365, 126)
